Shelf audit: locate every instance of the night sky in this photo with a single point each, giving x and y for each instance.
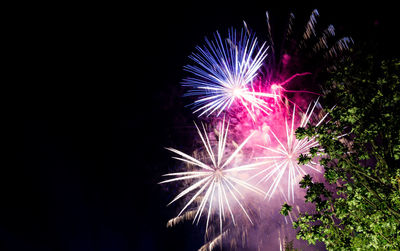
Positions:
(97, 100)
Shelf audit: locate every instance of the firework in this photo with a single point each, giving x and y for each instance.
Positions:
(285, 156)
(311, 49)
(277, 89)
(216, 181)
(235, 77)
(223, 73)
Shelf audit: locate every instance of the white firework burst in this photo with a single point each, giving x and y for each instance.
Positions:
(215, 181)
(285, 157)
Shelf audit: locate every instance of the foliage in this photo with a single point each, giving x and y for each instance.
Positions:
(286, 209)
(289, 246)
(358, 207)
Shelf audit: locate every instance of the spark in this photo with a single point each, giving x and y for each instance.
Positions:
(215, 180)
(284, 158)
(224, 71)
(277, 89)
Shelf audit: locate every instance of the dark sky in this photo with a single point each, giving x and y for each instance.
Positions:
(97, 99)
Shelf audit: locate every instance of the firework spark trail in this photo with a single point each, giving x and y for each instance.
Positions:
(215, 180)
(224, 71)
(285, 158)
(277, 89)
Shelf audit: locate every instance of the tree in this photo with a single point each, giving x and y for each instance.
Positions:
(288, 246)
(358, 207)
